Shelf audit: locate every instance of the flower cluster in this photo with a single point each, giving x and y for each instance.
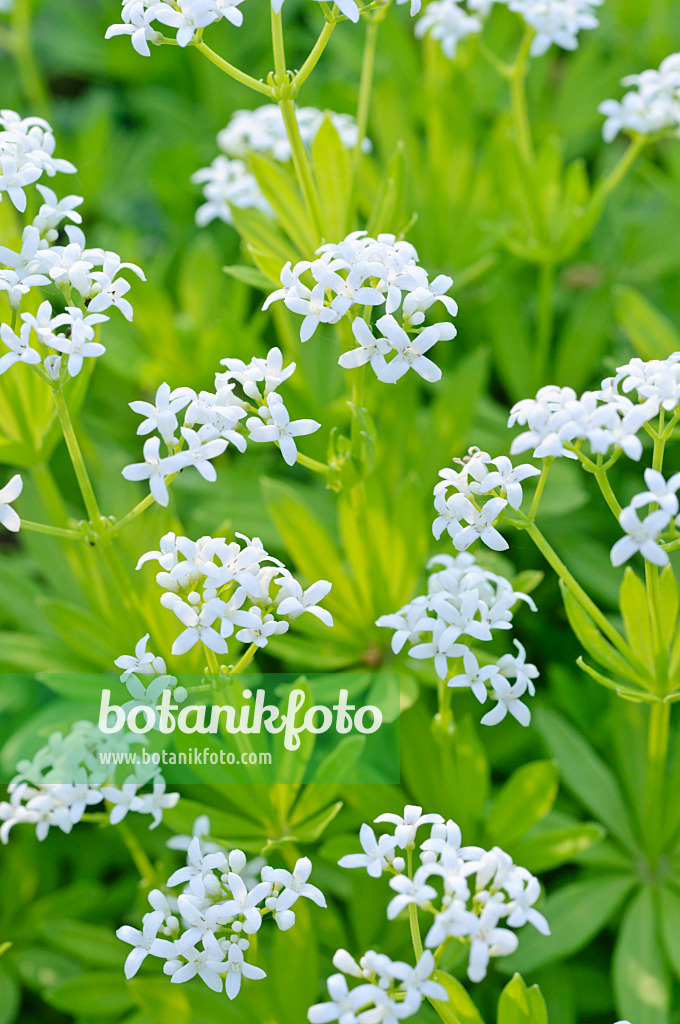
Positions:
(553, 21)
(377, 272)
(26, 153)
(474, 896)
(212, 420)
(653, 106)
(464, 604)
(205, 932)
(71, 775)
(218, 588)
(144, 20)
(229, 181)
(55, 342)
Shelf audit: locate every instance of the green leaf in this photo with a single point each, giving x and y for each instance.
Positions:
(641, 982)
(586, 775)
(635, 611)
(283, 195)
(262, 236)
(337, 767)
(652, 334)
(249, 275)
(523, 801)
(90, 943)
(387, 208)
(99, 994)
(333, 176)
(576, 913)
(521, 1005)
(558, 846)
(669, 915)
(595, 644)
(459, 1009)
(9, 998)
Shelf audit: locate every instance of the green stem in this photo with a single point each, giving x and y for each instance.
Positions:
(212, 662)
(413, 912)
(22, 45)
(74, 451)
(540, 487)
(147, 872)
(245, 659)
(657, 754)
(577, 590)
(317, 467)
(314, 55)
(518, 97)
(231, 70)
(51, 531)
(546, 311)
(603, 483)
(365, 87)
(604, 189)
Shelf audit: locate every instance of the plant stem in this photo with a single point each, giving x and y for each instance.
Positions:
(211, 659)
(604, 189)
(141, 861)
(317, 467)
(413, 912)
(283, 92)
(74, 451)
(603, 483)
(546, 289)
(245, 659)
(365, 87)
(540, 487)
(231, 70)
(518, 97)
(51, 531)
(657, 753)
(577, 590)
(314, 55)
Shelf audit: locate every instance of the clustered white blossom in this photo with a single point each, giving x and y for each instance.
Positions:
(228, 181)
(206, 931)
(652, 107)
(473, 895)
(559, 422)
(55, 341)
(245, 406)
(6, 6)
(464, 604)
(377, 272)
(553, 21)
(145, 692)
(70, 776)
(144, 21)
(218, 588)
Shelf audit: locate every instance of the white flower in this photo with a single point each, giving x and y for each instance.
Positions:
(238, 968)
(661, 492)
(198, 619)
(474, 676)
(508, 478)
(155, 469)
(524, 890)
(144, 942)
(200, 451)
(244, 903)
(370, 349)
(653, 107)
(509, 699)
(441, 647)
(295, 884)
(641, 536)
(15, 177)
(281, 429)
(377, 854)
(556, 21)
(198, 866)
(345, 1005)
(488, 940)
(448, 23)
(419, 978)
(481, 526)
(293, 601)
(410, 351)
(122, 800)
(143, 662)
(408, 824)
(8, 494)
(19, 347)
(410, 890)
